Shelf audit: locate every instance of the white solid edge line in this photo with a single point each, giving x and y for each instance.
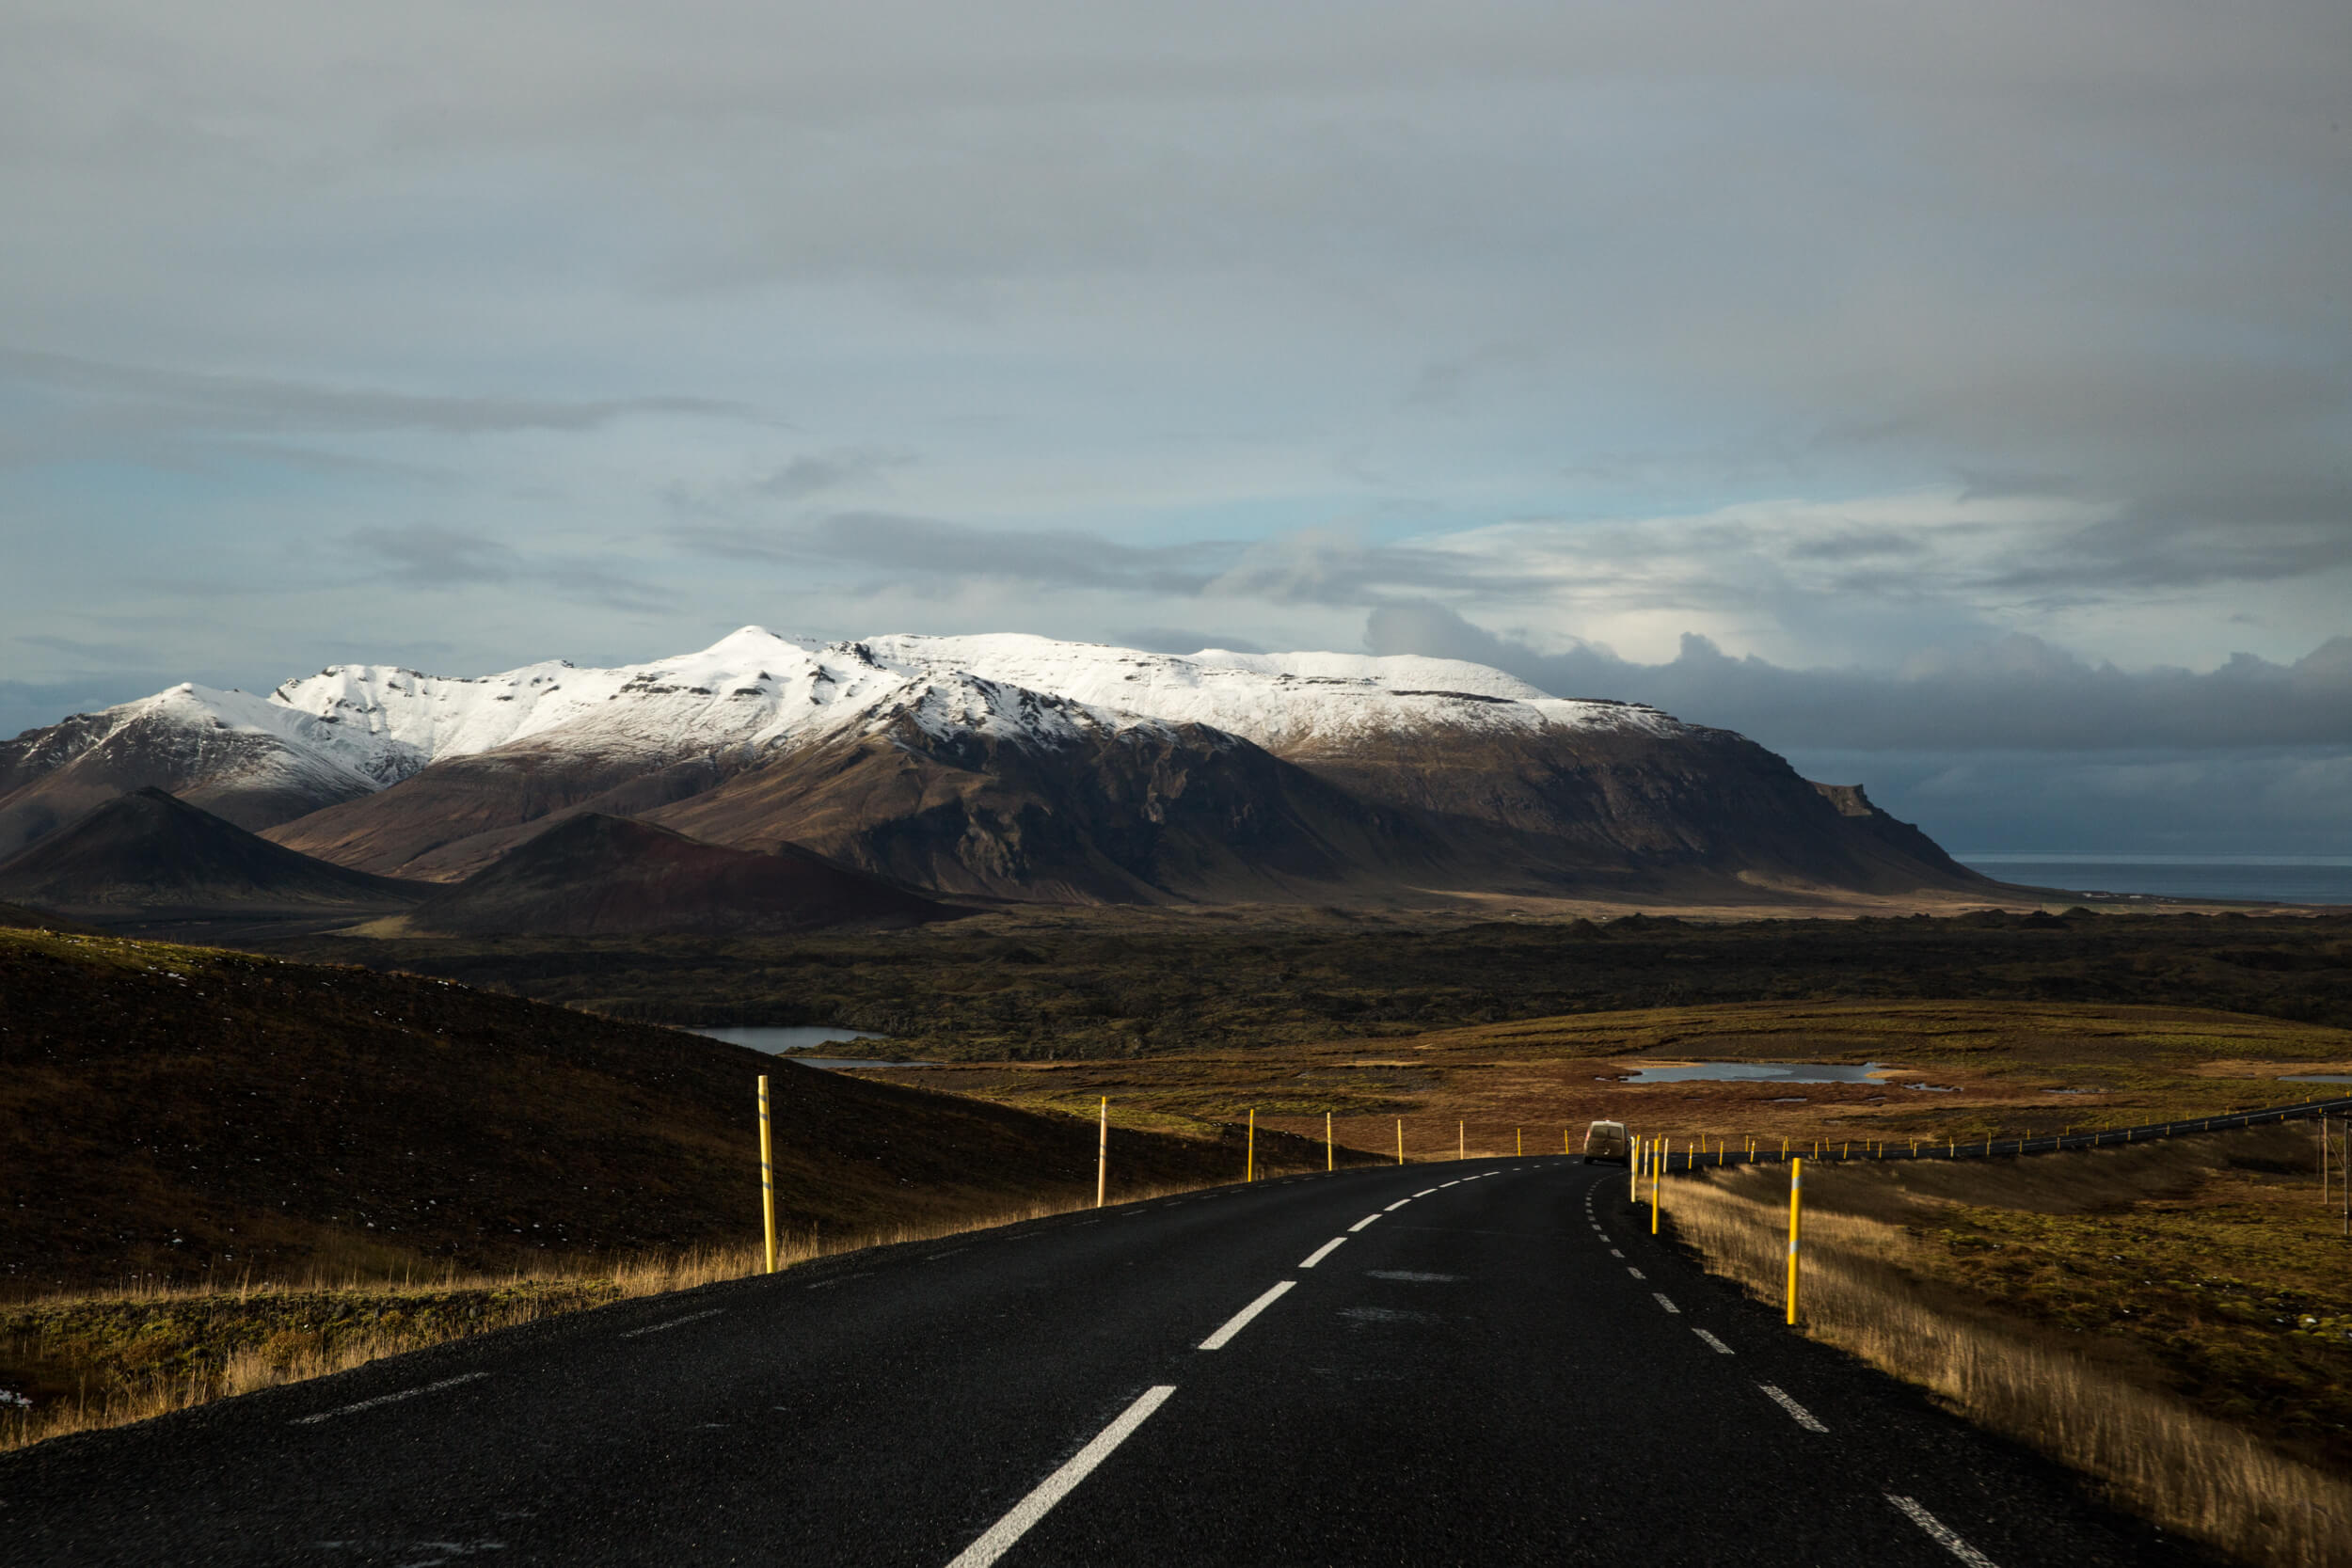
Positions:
(1053, 1488)
(388, 1399)
(689, 1317)
(1802, 1417)
(1240, 1320)
(1361, 1223)
(1323, 1251)
(1669, 1306)
(1941, 1534)
(1715, 1344)
(1398, 1204)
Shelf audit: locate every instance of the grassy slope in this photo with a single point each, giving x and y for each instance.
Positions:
(188, 1114)
(1051, 986)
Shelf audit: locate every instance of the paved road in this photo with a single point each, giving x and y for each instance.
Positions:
(1492, 1365)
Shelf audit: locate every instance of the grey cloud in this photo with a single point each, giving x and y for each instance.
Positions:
(2274, 800)
(427, 557)
(2014, 693)
(1307, 567)
(926, 549)
(124, 396)
(816, 473)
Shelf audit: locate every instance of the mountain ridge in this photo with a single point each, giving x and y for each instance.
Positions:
(1005, 766)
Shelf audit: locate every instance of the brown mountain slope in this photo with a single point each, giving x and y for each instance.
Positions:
(1143, 816)
(593, 875)
(451, 819)
(1093, 813)
(51, 776)
(1584, 812)
(149, 851)
(186, 1113)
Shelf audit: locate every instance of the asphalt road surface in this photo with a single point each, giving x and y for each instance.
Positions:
(1481, 1362)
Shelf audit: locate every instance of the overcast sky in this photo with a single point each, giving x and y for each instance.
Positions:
(1954, 398)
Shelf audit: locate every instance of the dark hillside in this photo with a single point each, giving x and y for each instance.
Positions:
(149, 851)
(593, 875)
(17, 914)
(191, 1114)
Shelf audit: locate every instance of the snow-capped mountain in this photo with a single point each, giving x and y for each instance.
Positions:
(1003, 765)
(755, 689)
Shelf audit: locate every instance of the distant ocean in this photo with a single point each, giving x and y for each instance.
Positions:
(2284, 879)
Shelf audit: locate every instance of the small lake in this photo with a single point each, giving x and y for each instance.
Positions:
(780, 1039)
(2317, 1078)
(1775, 1072)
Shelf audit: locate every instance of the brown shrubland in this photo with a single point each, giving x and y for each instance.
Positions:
(107, 1358)
(1877, 1289)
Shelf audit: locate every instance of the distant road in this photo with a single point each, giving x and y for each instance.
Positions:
(1471, 1364)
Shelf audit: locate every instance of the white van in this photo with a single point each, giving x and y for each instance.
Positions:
(1607, 1143)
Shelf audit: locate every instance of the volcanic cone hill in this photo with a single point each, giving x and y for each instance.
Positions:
(148, 854)
(191, 1112)
(593, 875)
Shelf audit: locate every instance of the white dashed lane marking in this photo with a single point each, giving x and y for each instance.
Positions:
(1660, 1297)
(689, 1317)
(1398, 1204)
(1323, 1251)
(389, 1398)
(1053, 1488)
(1424, 1192)
(1635, 1272)
(1715, 1344)
(1797, 1413)
(1240, 1320)
(1361, 1223)
(1941, 1534)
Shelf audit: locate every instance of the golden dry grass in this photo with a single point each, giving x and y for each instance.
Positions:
(1872, 1288)
(100, 1359)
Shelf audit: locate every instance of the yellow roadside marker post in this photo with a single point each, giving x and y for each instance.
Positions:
(1102, 1157)
(1633, 1150)
(1662, 1154)
(1796, 1227)
(1249, 1161)
(1331, 1156)
(1563, 1141)
(767, 1175)
(1400, 1140)
(1461, 1140)
(1520, 1133)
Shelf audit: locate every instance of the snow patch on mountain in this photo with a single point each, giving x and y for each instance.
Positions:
(365, 726)
(266, 739)
(1287, 703)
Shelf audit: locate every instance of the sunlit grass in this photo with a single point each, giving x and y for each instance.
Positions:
(2079, 1304)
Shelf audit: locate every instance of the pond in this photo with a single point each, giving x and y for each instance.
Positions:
(1776, 1072)
(780, 1039)
(2317, 1078)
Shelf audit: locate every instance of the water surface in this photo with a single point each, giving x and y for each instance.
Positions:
(778, 1038)
(1778, 1072)
(2270, 878)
